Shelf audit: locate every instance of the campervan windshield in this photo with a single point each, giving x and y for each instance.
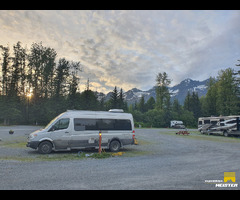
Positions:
(49, 124)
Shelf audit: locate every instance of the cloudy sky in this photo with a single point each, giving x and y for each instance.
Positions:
(129, 48)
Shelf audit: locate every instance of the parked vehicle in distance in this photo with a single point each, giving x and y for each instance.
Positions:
(177, 124)
(224, 125)
(77, 129)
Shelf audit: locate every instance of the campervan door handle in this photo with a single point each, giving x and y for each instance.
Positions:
(66, 132)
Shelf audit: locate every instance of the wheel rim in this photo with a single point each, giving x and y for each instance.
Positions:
(115, 146)
(45, 148)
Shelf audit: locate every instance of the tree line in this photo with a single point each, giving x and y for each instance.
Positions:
(222, 98)
(35, 87)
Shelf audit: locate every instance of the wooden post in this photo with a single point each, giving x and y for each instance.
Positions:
(100, 141)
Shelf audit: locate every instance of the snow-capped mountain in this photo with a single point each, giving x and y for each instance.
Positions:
(178, 91)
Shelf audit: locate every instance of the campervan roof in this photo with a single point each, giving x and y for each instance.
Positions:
(85, 113)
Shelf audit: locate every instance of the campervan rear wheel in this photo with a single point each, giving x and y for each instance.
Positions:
(225, 133)
(45, 147)
(114, 146)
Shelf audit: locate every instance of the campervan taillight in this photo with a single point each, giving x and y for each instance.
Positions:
(133, 136)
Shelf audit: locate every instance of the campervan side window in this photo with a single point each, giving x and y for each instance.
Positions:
(123, 124)
(85, 124)
(102, 124)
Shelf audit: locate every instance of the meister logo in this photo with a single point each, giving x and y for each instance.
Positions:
(229, 176)
(229, 180)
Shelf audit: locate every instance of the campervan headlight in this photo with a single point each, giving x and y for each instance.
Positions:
(32, 135)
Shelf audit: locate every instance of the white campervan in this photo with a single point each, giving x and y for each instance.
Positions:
(77, 129)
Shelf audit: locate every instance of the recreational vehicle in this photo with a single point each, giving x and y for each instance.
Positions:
(225, 125)
(80, 129)
(176, 124)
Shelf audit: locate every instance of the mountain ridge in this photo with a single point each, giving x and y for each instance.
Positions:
(178, 91)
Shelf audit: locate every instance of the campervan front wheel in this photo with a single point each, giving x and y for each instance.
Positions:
(45, 147)
(114, 146)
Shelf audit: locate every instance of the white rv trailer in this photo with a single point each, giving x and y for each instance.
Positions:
(176, 124)
(225, 125)
(77, 129)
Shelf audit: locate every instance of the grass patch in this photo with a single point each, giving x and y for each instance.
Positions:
(198, 136)
(58, 156)
(215, 138)
(34, 156)
(16, 144)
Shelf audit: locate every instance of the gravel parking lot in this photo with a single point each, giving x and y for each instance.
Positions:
(161, 161)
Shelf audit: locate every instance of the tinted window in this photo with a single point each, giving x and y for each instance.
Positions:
(123, 124)
(102, 124)
(85, 124)
(106, 124)
(213, 122)
(206, 121)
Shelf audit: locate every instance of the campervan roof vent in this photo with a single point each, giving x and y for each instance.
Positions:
(116, 110)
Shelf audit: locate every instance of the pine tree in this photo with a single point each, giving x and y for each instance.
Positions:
(150, 104)
(114, 98)
(211, 98)
(227, 100)
(162, 93)
(62, 72)
(187, 102)
(196, 106)
(5, 69)
(141, 105)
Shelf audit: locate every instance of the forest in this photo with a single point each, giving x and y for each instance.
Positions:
(35, 87)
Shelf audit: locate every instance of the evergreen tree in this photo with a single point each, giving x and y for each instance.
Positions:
(41, 66)
(141, 105)
(211, 98)
(187, 101)
(227, 100)
(5, 69)
(121, 103)
(237, 78)
(89, 100)
(114, 98)
(192, 104)
(162, 93)
(176, 109)
(196, 106)
(62, 72)
(150, 104)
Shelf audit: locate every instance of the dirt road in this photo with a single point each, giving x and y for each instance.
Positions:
(162, 160)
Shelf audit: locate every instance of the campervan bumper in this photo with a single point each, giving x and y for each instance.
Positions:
(33, 144)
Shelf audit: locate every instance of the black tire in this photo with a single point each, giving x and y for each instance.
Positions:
(45, 147)
(225, 133)
(114, 146)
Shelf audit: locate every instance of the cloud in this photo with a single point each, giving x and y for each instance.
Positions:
(128, 48)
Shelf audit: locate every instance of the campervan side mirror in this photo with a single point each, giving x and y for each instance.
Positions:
(53, 128)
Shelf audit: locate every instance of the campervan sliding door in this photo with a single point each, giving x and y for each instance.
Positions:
(84, 134)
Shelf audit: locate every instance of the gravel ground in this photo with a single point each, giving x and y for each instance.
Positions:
(162, 161)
